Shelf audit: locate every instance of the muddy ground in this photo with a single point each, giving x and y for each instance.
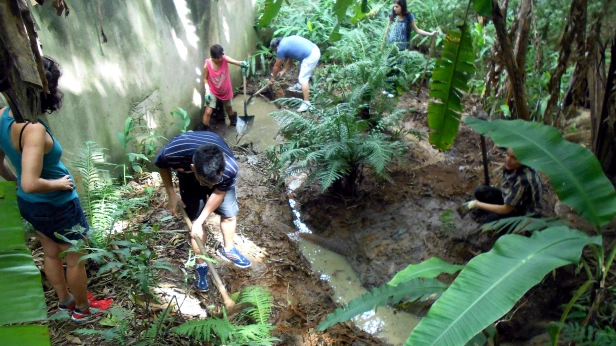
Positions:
(390, 225)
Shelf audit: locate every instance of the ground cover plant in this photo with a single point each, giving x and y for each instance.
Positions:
(513, 60)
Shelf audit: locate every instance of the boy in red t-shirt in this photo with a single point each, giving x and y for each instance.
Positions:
(218, 84)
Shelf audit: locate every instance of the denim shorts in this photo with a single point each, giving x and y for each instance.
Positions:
(48, 219)
(195, 196)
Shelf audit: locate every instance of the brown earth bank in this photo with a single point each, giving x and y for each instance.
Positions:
(390, 224)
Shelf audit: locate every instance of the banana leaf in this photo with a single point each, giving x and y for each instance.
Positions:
(30, 335)
(22, 298)
(574, 171)
(449, 80)
(270, 10)
(519, 224)
(379, 296)
(491, 283)
(429, 269)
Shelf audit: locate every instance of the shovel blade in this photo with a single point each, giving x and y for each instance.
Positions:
(244, 123)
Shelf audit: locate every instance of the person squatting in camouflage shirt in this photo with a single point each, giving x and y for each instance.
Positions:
(519, 193)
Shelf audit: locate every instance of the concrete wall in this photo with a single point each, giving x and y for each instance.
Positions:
(152, 62)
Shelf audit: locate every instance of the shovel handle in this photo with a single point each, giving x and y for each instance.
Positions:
(229, 303)
(244, 80)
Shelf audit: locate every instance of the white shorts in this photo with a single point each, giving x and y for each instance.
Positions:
(308, 65)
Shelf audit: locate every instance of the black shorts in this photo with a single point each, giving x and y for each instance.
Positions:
(66, 219)
(195, 196)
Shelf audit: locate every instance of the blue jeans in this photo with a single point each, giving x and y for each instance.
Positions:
(48, 219)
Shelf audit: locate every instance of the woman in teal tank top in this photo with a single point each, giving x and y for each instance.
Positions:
(46, 196)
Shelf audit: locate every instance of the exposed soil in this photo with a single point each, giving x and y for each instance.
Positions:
(390, 225)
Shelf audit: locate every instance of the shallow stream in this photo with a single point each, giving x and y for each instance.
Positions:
(333, 268)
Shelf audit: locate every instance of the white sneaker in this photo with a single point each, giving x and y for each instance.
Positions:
(296, 87)
(304, 106)
(384, 92)
(390, 96)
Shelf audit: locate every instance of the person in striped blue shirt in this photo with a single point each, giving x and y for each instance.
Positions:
(207, 173)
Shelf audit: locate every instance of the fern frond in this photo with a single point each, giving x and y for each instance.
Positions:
(203, 330)
(261, 301)
(254, 335)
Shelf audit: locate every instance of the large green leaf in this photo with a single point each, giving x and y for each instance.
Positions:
(574, 171)
(492, 282)
(30, 335)
(449, 79)
(272, 7)
(340, 8)
(22, 298)
(483, 7)
(427, 269)
(379, 296)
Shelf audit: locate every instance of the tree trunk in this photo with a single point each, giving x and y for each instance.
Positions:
(577, 13)
(604, 142)
(23, 65)
(515, 72)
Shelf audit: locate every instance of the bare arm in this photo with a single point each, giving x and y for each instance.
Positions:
(503, 209)
(286, 67)
(5, 170)
(421, 32)
(212, 204)
(386, 31)
(205, 76)
(275, 70)
(174, 198)
(32, 163)
(232, 61)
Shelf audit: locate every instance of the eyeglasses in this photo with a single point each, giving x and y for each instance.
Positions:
(202, 183)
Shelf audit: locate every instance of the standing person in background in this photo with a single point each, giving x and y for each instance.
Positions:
(46, 196)
(296, 48)
(398, 32)
(399, 25)
(218, 84)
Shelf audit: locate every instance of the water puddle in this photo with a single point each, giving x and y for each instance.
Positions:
(336, 270)
(392, 328)
(264, 129)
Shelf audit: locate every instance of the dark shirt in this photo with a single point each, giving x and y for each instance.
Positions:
(522, 189)
(178, 153)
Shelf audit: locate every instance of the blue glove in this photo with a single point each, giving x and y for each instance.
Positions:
(209, 98)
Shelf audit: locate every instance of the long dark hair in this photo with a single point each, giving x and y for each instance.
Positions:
(404, 11)
(52, 101)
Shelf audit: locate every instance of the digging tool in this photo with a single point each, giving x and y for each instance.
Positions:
(432, 47)
(229, 303)
(484, 152)
(245, 121)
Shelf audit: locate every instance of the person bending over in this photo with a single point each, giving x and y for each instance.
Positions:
(207, 173)
(296, 48)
